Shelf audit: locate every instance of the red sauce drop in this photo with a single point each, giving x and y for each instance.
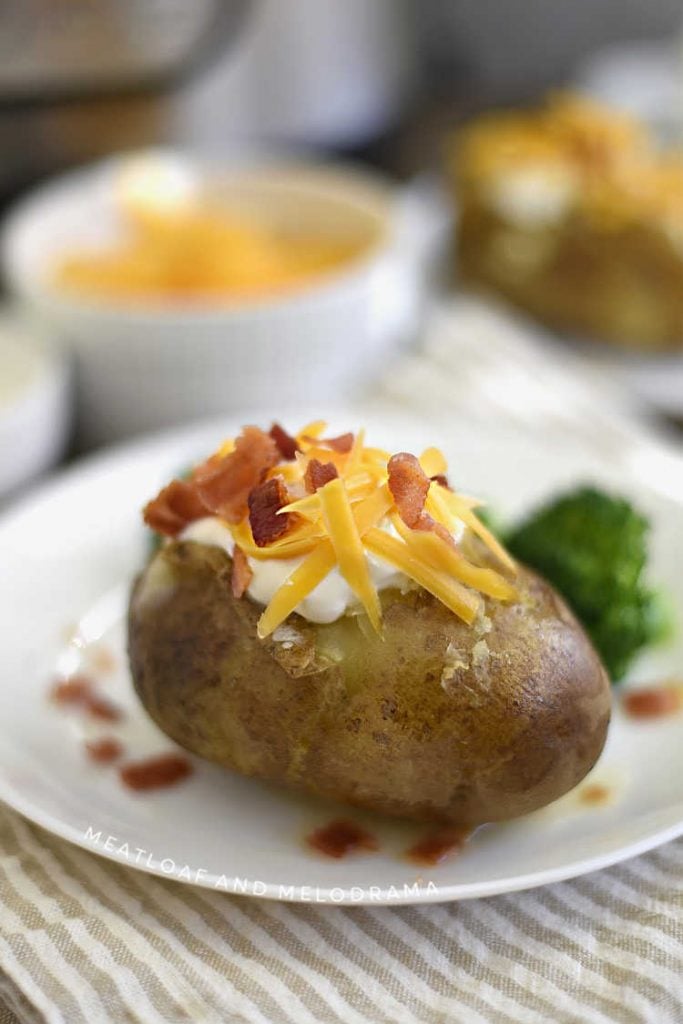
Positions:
(653, 701)
(155, 772)
(79, 691)
(594, 795)
(74, 690)
(104, 750)
(340, 838)
(99, 707)
(101, 660)
(437, 846)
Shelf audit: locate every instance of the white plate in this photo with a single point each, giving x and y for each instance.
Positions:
(80, 538)
(656, 380)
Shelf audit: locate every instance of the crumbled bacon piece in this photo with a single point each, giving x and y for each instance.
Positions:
(264, 504)
(173, 508)
(205, 468)
(409, 486)
(441, 479)
(224, 484)
(341, 444)
(318, 474)
(425, 522)
(155, 772)
(287, 444)
(241, 572)
(104, 750)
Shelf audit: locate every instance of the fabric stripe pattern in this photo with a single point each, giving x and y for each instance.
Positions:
(84, 940)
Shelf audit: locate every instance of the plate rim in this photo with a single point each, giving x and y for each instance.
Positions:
(255, 889)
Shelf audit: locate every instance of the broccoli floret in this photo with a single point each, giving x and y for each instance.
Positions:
(593, 548)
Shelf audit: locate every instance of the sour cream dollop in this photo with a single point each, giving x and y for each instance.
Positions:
(533, 197)
(331, 599)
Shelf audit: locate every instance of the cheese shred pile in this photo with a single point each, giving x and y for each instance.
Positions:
(342, 521)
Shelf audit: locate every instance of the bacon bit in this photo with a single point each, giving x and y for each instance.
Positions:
(439, 845)
(224, 484)
(341, 837)
(441, 479)
(205, 468)
(174, 507)
(155, 772)
(287, 445)
(318, 474)
(104, 750)
(653, 701)
(409, 486)
(74, 690)
(426, 523)
(241, 572)
(343, 443)
(100, 707)
(264, 504)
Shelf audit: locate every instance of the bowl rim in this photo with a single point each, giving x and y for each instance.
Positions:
(368, 191)
(35, 419)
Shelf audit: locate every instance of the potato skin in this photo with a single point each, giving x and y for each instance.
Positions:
(437, 721)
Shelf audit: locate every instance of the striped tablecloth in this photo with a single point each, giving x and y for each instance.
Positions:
(84, 940)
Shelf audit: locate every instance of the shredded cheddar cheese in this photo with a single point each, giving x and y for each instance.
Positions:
(354, 515)
(431, 548)
(348, 547)
(299, 542)
(465, 603)
(463, 512)
(433, 462)
(303, 580)
(178, 245)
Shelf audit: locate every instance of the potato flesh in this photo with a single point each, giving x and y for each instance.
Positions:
(437, 720)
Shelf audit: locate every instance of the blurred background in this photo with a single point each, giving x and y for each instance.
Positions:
(81, 81)
(236, 204)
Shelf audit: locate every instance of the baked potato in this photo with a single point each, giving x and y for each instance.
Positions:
(434, 719)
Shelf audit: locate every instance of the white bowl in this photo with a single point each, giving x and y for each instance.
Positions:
(35, 412)
(145, 366)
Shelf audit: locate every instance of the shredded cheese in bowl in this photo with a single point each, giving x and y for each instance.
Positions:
(178, 244)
